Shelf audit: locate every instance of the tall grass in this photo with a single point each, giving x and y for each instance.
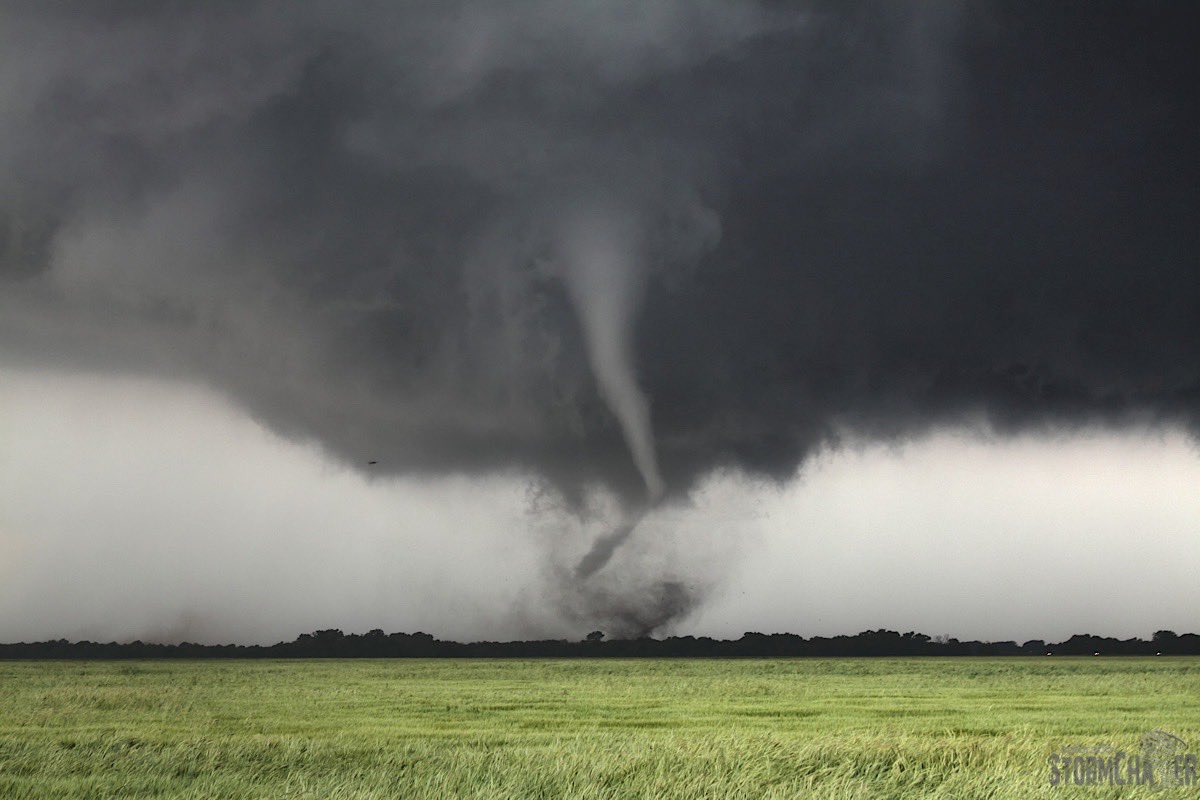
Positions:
(835, 728)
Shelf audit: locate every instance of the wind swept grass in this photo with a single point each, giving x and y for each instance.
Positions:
(830, 728)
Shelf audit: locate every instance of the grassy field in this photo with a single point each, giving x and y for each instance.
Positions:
(836, 728)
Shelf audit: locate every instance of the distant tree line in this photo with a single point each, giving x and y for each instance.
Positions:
(376, 644)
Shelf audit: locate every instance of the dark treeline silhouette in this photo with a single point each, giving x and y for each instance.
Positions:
(376, 644)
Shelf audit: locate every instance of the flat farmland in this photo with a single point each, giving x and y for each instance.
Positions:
(581, 728)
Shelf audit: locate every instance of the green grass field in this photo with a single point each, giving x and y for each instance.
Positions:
(838, 728)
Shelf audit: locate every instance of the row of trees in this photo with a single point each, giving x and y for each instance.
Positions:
(376, 644)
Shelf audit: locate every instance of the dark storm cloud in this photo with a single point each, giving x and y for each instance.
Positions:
(481, 236)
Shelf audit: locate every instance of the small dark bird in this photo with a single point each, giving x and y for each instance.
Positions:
(372, 462)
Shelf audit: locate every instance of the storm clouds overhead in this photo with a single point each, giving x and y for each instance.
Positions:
(612, 248)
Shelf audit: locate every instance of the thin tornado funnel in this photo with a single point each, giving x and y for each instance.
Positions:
(604, 547)
(605, 284)
(604, 281)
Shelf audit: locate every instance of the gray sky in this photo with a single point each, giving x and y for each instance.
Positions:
(564, 270)
(135, 508)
